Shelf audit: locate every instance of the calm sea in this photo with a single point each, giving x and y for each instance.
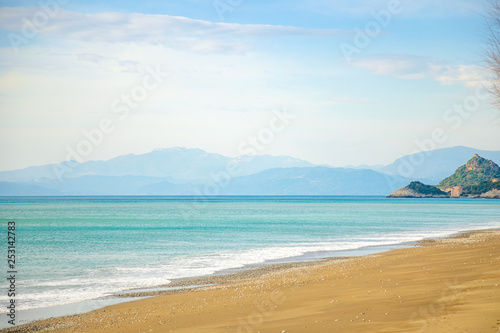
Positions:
(71, 249)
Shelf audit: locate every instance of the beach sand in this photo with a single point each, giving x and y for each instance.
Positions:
(447, 285)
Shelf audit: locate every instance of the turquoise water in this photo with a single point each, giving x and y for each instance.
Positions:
(71, 249)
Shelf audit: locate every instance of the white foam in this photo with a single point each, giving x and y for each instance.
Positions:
(45, 293)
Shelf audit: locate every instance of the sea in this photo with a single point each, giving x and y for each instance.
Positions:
(76, 250)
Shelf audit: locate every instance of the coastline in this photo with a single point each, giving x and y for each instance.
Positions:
(185, 284)
(434, 284)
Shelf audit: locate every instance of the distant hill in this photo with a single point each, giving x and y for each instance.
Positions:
(419, 190)
(314, 181)
(433, 166)
(474, 172)
(182, 171)
(173, 164)
(278, 181)
(479, 177)
(25, 189)
(294, 181)
(107, 185)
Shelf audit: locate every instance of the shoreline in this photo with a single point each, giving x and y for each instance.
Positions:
(185, 284)
(278, 278)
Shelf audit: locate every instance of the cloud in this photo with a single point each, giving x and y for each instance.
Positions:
(93, 58)
(470, 75)
(421, 68)
(174, 31)
(401, 67)
(110, 63)
(421, 9)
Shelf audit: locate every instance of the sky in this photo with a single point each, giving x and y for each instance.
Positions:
(332, 82)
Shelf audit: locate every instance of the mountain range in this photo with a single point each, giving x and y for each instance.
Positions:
(176, 164)
(182, 171)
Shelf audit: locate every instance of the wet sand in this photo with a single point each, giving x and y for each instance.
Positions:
(446, 285)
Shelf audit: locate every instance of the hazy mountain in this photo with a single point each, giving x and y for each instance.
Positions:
(375, 167)
(168, 188)
(181, 171)
(25, 189)
(173, 164)
(99, 185)
(314, 181)
(435, 165)
(30, 173)
(280, 181)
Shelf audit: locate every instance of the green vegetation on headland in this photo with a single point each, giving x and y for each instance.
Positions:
(419, 190)
(425, 189)
(477, 170)
(478, 178)
(481, 188)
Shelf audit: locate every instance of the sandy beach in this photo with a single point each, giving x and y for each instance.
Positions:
(446, 285)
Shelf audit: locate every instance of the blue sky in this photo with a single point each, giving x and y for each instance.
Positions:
(227, 75)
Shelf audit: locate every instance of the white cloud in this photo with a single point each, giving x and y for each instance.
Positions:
(401, 67)
(173, 31)
(110, 63)
(470, 75)
(217, 91)
(420, 68)
(421, 9)
(94, 58)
